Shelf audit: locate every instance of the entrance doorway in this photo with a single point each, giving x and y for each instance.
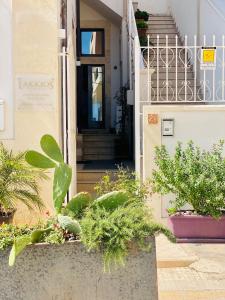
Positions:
(91, 97)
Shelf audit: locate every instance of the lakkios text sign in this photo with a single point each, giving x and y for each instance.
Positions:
(35, 92)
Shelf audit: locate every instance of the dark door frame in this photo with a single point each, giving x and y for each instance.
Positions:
(103, 92)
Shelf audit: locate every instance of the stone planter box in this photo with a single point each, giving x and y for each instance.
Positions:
(197, 227)
(69, 272)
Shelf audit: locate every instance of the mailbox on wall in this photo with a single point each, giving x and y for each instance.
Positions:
(2, 115)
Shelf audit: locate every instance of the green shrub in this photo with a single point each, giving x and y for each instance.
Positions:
(112, 232)
(124, 180)
(18, 181)
(142, 25)
(196, 177)
(142, 15)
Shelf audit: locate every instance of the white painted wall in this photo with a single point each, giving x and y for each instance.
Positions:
(187, 23)
(6, 77)
(115, 70)
(115, 5)
(154, 6)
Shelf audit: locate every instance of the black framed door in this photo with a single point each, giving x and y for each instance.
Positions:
(91, 97)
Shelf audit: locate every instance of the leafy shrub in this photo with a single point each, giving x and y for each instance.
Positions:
(124, 180)
(196, 177)
(144, 41)
(113, 231)
(18, 181)
(142, 15)
(142, 25)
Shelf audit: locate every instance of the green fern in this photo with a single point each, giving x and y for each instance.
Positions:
(113, 231)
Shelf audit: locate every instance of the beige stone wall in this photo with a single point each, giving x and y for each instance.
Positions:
(35, 53)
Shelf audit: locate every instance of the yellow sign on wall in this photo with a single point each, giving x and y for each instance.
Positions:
(208, 58)
(208, 55)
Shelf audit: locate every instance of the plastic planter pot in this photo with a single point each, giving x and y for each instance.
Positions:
(142, 32)
(197, 227)
(8, 218)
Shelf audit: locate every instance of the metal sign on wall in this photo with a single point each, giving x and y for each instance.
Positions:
(35, 92)
(208, 58)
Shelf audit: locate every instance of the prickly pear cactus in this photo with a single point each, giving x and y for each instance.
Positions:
(112, 200)
(67, 223)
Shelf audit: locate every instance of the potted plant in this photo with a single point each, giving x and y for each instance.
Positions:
(18, 183)
(144, 41)
(142, 27)
(196, 178)
(142, 15)
(116, 225)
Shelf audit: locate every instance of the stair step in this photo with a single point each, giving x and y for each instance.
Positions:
(173, 70)
(102, 137)
(161, 18)
(163, 35)
(164, 31)
(86, 187)
(99, 150)
(98, 156)
(161, 26)
(172, 83)
(90, 176)
(95, 131)
(99, 144)
(153, 64)
(161, 22)
(171, 76)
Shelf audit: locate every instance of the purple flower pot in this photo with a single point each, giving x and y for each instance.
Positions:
(195, 226)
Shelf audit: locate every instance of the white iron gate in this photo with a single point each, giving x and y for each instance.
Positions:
(179, 77)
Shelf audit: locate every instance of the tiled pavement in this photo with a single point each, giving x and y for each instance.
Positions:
(190, 271)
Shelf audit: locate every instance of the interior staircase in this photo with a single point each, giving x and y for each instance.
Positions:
(162, 26)
(98, 151)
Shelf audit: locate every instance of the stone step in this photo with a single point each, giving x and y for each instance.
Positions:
(98, 137)
(153, 64)
(99, 144)
(180, 69)
(162, 42)
(180, 98)
(161, 22)
(162, 54)
(98, 156)
(173, 84)
(90, 176)
(164, 31)
(172, 76)
(95, 131)
(100, 150)
(161, 18)
(86, 186)
(163, 35)
(161, 26)
(171, 255)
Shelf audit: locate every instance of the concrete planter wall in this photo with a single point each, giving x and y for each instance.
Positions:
(68, 272)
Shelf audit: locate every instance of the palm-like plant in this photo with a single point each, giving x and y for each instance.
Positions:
(18, 181)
